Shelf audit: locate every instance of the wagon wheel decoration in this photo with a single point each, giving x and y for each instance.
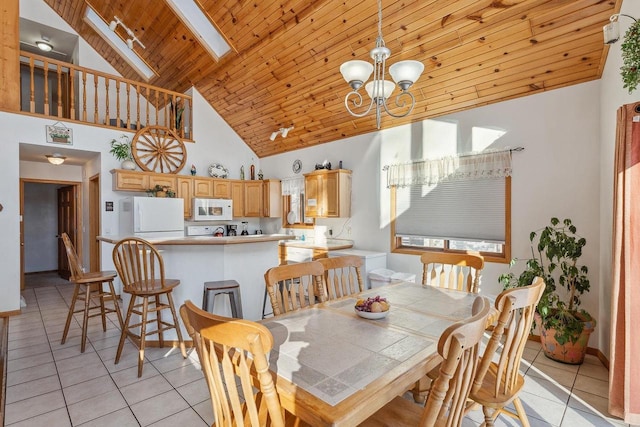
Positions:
(158, 149)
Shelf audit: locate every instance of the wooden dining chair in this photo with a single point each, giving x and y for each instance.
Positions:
(294, 286)
(498, 384)
(342, 276)
(446, 402)
(459, 271)
(233, 354)
(141, 269)
(87, 286)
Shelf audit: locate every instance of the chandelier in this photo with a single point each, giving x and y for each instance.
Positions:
(404, 73)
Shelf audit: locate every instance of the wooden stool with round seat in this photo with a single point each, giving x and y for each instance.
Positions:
(141, 269)
(228, 287)
(87, 286)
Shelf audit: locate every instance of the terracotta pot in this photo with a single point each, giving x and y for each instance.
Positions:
(570, 353)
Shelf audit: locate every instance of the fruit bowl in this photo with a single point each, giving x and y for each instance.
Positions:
(372, 316)
(372, 308)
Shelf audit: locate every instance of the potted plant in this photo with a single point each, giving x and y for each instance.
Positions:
(121, 150)
(160, 191)
(564, 328)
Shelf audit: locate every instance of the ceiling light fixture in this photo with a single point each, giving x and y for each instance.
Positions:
(611, 31)
(44, 44)
(282, 131)
(404, 73)
(56, 158)
(114, 24)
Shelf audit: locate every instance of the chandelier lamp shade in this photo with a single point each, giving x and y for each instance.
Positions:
(357, 72)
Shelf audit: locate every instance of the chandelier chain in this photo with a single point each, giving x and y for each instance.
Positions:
(380, 20)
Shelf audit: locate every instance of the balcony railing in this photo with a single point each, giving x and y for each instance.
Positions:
(70, 92)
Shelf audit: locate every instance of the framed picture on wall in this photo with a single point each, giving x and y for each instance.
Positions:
(59, 134)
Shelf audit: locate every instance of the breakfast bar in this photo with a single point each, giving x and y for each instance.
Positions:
(197, 259)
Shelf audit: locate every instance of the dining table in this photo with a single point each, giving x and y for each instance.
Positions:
(335, 368)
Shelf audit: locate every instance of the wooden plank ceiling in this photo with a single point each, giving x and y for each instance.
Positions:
(283, 69)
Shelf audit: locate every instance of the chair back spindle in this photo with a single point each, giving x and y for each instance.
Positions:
(294, 286)
(461, 271)
(342, 276)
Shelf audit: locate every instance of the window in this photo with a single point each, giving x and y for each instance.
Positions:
(293, 208)
(467, 208)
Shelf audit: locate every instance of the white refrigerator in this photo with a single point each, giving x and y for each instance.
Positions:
(152, 217)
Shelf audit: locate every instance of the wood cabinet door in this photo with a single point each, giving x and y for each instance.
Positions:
(163, 181)
(221, 189)
(312, 189)
(202, 187)
(131, 181)
(184, 191)
(271, 198)
(237, 195)
(331, 204)
(253, 199)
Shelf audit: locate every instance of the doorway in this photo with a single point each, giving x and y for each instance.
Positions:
(48, 208)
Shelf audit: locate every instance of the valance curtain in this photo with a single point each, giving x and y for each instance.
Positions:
(293, 186)
(471, 166)
(624, 376)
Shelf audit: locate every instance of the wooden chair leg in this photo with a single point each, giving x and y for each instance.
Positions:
(521, 413)
(159, 322)
(70, 315)
(101, 295)
(490, 415)
(143, 332)
(183, 350)
(116, 306)
(85, 317)
(125, 328)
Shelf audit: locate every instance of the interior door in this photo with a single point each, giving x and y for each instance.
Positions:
(94, 223)
(67, 223)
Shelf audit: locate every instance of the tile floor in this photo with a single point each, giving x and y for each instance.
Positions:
(56, 385)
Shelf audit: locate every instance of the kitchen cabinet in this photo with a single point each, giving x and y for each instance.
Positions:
(271, 198)
(237, 195)
(202, 187)
(163, 180)
(130, 180)
(328, 193)
(253, 199)
(184, 190)
(221, 189)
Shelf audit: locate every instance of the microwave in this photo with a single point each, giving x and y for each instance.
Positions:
(212, 209)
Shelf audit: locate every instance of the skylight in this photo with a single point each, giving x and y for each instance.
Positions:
(200, 25)
(132, 58)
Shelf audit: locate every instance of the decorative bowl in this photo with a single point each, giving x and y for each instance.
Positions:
(371, 315)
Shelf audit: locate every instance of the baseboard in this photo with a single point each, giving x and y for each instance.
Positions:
(4, 337)
(590, 350)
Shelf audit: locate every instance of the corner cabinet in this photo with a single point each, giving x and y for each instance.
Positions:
(250, 198)
(328, 193)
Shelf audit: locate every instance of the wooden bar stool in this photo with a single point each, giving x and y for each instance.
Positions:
(87, 286)
(141, 269)
(215, 288)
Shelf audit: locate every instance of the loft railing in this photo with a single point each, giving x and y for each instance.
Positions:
(66, 91)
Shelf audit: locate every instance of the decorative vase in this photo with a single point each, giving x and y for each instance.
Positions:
(129, 165)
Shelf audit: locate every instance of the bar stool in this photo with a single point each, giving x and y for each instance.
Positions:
(215, 288)
(87, 286)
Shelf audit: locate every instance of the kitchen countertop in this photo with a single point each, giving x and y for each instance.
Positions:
(206, 240)
(329, 244)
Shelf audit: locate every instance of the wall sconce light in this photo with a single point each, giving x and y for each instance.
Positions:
(114, 24)
(44, 44)
(611, 31)
(56, 158)
(282, 131)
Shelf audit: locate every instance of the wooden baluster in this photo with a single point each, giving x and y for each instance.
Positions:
(95, 99)
(107, 118)
(146, 92)
(72, 93)
(118, 121)
(172, 113)
(32, 94)
(166, 111)
(46, 88)
(59, 90)
(128, 106)
(138, 106)
(157, 100)
(189, 132)
(84, 96)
